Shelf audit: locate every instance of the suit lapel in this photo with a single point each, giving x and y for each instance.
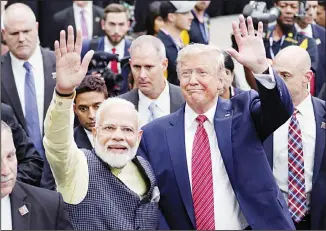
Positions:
(222, 125)
(49, 82)
(84, 139)
(176, 143)
(17, 198)
(319, 112)
(174, 106)
(8, 81)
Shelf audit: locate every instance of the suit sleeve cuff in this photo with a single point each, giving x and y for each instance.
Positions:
(267, 80)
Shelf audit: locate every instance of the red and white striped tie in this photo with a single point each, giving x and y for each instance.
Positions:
(202, 178)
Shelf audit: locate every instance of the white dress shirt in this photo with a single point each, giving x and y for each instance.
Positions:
(6, 221)
(307, 31)
(306, 119)
(162, 102)
(227, 212)
(88, 14)
(90, 136)
(36, 60)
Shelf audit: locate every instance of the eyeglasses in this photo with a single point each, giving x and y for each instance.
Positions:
(111, 129)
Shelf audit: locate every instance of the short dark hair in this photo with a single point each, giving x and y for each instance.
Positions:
(166, 8)
(322, 3)
(115, 8)
(92, 83)
(228, 62)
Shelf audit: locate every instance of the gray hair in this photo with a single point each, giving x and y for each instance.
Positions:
(196, 49)
(17, 9)
(5, 127)
(146, 41)
(115, 101)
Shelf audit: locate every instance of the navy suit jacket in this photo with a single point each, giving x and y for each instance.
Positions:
(171, 55)
(46, 209)
(100, 47)
(318, 195)
(319, 34)
(241, 125)
(81, 138)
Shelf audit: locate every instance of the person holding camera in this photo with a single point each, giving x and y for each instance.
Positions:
(115, 24)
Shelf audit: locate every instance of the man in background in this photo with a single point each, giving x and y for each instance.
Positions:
(90, 94)
(177, 16)
(200, 26)
(320, 19)
(26, 77)
(115, 23)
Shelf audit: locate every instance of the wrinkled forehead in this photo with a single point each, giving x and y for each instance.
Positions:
(119, 116)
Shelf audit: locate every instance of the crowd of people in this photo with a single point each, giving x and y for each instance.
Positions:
(109, 128)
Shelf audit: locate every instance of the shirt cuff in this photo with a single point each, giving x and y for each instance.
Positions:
(267, 80)
(63, 103)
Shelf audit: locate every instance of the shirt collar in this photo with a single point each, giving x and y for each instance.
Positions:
(305, 106)
(34, 60)
(160, 101)
(87, 9)
(191, 115)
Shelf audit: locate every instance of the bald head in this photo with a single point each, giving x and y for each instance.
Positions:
(293, 65)
(293, 56)
(20, 12)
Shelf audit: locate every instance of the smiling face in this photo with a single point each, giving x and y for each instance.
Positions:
(117, 135)
(200, 81)
(8, 162)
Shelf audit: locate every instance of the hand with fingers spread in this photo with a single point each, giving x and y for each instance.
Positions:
(69, 70)
(251, 51)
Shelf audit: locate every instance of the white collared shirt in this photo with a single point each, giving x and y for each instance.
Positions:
(120, 49)
(306, 119)
(227, 211)
(6, 220)
(88, 14)
(307, 31)
(36, 60)
(90, 136)
(162, 102)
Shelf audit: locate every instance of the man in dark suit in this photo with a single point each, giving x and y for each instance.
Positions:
(27, 84)
(82, 15)
(311, 135)
(30, 164)
(23, 206)
(153, 96)
(177, 16)
(208, 157)
(90, 94)
(305, 25)
(115, 24)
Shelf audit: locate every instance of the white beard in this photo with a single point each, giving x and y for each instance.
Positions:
(115, 160)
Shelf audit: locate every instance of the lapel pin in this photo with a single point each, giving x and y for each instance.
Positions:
(97, 19)
(23, 210)
(323, 125)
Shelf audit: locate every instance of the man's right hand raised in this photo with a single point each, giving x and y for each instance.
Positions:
(69, 70)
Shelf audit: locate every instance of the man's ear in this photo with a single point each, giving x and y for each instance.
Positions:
(102, 24)
(309, 75)
(75, 108)
(140, 133)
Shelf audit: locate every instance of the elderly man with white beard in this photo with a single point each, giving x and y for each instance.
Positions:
(108, 187)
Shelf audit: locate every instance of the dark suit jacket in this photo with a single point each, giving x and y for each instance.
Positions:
(46, 209)
(241, 124)
(171, 55)
(195, 33)
(64, 18)
(81, 138)
(100, 47)
(9, 95)
(318, 195)
(176, 98)
(30, 164)
(319, 34)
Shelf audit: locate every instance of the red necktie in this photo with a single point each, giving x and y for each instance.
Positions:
(202, 178)
(114, 63)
